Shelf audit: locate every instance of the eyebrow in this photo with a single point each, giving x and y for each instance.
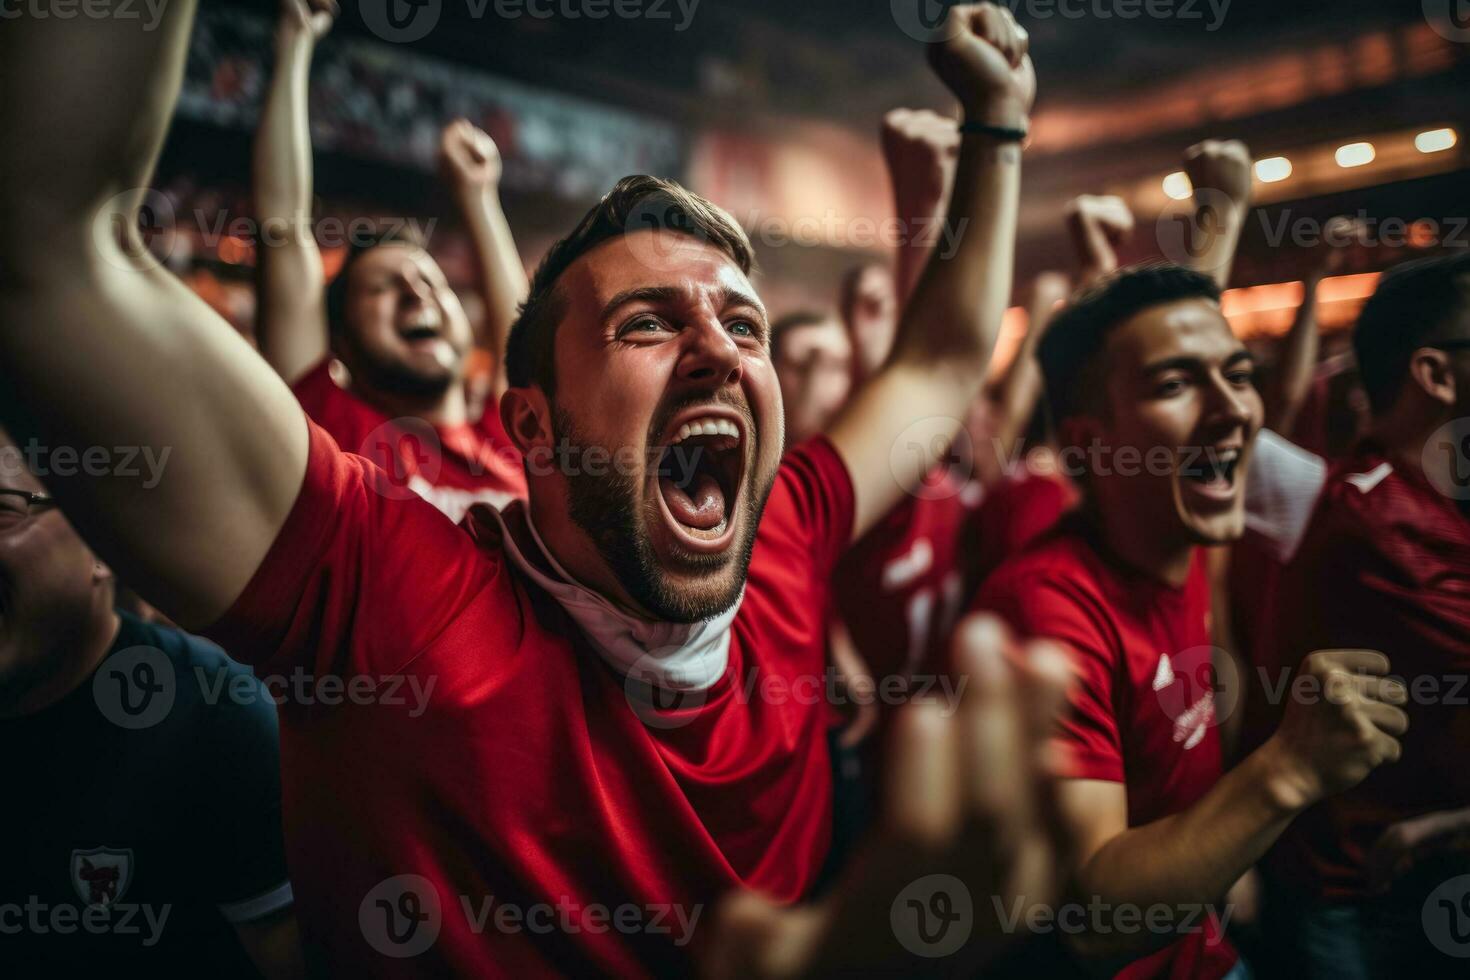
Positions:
(672, 294)
(1184, 363)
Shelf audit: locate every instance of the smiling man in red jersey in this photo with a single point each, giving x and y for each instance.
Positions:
(620, 727)
(378, 358)
(1153, 400)
(1386, 562)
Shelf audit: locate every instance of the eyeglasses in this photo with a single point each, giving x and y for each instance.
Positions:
(18, 506)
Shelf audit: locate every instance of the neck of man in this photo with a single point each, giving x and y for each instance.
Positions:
(99, 633)
(447, 409)
(578, 557)
(1404, 434)
(1141, 543)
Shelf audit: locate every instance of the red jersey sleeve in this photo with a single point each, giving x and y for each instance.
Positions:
(810, 509)
(1037, 608)
(358, 579)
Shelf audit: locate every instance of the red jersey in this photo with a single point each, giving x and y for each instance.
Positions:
(1016, 511)
(524, 817)
(451, 466)
(1386, 566)
(1142, 710)
(900, 588)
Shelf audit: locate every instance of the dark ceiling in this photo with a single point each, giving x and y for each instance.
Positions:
(849, 59)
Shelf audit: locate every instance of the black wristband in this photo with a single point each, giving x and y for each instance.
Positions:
(1006, 133)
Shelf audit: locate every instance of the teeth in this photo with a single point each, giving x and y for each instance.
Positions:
(707, 427)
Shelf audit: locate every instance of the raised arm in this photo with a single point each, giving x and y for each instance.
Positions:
(105, 355)
(899, 425)
(471, 165)
(921, 148)
(1015, 393)
(1289, 388)
(1220, 173)
(292, 318)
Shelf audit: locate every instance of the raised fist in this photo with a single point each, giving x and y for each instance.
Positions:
(309, 18)
(982, 58)
(1343, 722)
(1098, 225)
(1341, 236)
(921, 148)
(468, 156)
(1223, 166)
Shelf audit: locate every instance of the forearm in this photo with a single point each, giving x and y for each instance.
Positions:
(503, 283)
(1017, 392)
(954, 314)
(291, 326)
(925, 229)
(1216, 229)
(1190, 858)
(1298, 364)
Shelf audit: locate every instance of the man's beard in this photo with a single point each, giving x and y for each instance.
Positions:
(391, 377)
(607, 509)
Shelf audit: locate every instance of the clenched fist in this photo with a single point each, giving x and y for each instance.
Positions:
(1098, 225)
(468, 156)
(1342, 723)
(307, 18)
(982, 58)
(1223, 166)
(921, 148)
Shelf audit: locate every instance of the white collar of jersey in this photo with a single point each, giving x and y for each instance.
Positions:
(672, 656)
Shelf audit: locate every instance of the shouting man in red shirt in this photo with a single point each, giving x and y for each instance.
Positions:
(1153, 399)
(543, 742)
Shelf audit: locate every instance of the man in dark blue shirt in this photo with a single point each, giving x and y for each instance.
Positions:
(143, 826)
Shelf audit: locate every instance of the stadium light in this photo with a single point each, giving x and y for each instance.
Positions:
(1271, 169)
(1434, 140)
(1355, 154)
(1177, 186)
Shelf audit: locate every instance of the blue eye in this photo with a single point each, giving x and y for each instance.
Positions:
(742, 328)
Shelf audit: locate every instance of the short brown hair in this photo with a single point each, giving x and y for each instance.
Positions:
(636, 203)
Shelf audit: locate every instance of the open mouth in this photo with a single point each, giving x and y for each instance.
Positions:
(699, 478)
(422, 328)
(1212, 473)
